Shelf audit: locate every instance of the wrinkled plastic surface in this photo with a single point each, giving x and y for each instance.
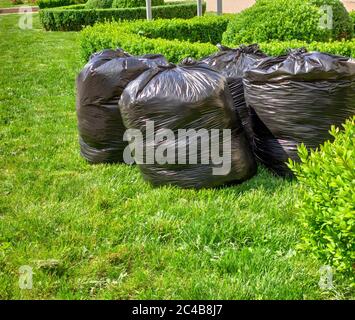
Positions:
(99, 87)
(232, 63)
(187, 96)
(295, 99)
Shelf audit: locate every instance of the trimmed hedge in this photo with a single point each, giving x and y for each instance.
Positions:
(134, 3)
(182, 39)
(98, 4)
(327, 181)
(352, 16)
(57, 3)
(286, 20)
(343, 48)
(206, 29)
(74, 18)
(113, 35)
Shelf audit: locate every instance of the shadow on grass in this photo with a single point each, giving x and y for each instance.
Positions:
(264, 180)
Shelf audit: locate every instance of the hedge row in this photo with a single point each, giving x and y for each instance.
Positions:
(206, 29)
(113, 35)
(134, 3)
(74, 18)
(115, 3)
(144, 37)
(343, 48)
(98, 4)
(57, 3)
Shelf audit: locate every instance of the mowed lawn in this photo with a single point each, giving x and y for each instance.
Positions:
(102, 232)
(9, 4)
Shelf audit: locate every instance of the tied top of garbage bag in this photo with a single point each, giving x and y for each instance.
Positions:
(295, 99)
(234, 62)
(193, 98)
(109, 71)
(103, 56)
(99, 87)
(298, 64)
(185, 95)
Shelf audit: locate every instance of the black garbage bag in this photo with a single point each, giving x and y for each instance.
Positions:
(189, 96)
(295, 99)
(232, 63)
(99, 87)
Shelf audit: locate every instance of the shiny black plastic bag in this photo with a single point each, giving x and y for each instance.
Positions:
(190, 95)
(232, 63)
(99, 87)
(295, 99)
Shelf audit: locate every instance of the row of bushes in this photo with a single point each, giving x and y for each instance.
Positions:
(121, 3)
(343, 48)
(92, 4)
(57, 3)
(207, 29)
(286, 20)
(111, 35)
(74, 18)
(144, 37)
(134, 3)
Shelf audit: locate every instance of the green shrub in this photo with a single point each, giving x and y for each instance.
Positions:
(205, 29)
(113, 35)
(327, 183)
(182, 38)
(57, 3)
(99, 4)
(352, 16)
(342, 26)
(286, 20)
(134, 3)
(343, 48)
(74, 18)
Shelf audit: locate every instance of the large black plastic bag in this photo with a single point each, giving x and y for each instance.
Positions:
(188, 96)
(295, 99)
(99, 87)
(232, 63)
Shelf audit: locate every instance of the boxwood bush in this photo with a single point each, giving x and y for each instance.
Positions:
(98, 4)
(286, 20)
(352, 16)
(179, 38)
(74, 18)
(206, 29)
(134, 3)
(327, 183)
(57, 3)
(343, 48)
(113, 35)
(342, 22)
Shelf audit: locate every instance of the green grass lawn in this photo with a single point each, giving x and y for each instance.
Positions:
(101, 231)
(8, 4)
